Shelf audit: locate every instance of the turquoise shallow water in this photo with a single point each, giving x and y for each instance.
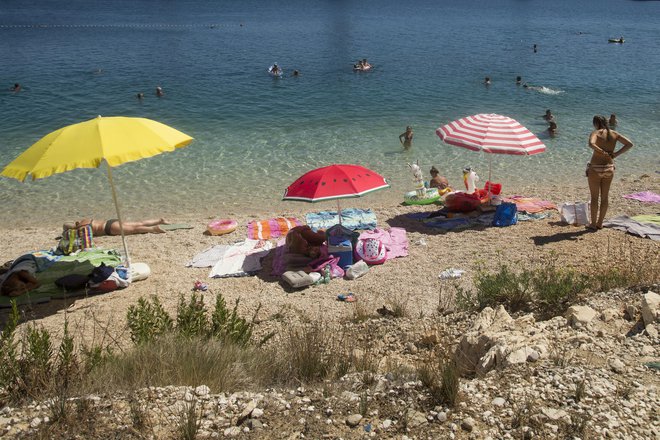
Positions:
(254, 134)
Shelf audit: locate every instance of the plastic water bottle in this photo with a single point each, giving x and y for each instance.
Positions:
(326, 274)
(357, 270)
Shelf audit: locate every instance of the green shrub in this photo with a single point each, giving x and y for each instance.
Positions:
(10, 371)
(191, 317)
(556, 289)
(513, 290)
(229, 325)
(148, 320)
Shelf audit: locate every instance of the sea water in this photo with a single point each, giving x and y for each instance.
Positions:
(255, 134)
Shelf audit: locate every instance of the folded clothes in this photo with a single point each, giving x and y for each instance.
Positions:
(271, 228)
(352, 218)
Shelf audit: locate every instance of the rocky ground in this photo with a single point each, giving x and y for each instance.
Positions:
(587, 374)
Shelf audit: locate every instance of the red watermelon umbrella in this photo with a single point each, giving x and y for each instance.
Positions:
(491, 133)
(334, 182)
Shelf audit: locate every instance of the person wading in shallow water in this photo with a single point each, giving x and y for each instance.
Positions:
(406, 137)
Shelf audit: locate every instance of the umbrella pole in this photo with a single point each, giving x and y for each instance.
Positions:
(490, 169)
(339, 211)
(121, 223)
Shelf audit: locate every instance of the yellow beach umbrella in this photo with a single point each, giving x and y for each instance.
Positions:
(113, 140)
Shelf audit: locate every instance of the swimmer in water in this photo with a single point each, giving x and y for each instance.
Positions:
(487, 80)
(15, 88)
(159, 91)
(518, 80)
(140, 96)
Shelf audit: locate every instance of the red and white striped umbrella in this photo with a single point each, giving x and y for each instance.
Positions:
(491, 133)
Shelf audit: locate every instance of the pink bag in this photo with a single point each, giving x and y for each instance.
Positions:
(319, 264)
(371, 251)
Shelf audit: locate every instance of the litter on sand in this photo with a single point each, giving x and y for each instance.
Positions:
(348, 297)
(451, 274)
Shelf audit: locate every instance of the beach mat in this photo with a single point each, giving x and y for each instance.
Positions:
(81, 264)
(175, 226)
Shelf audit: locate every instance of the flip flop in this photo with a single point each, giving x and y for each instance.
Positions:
(349, 297)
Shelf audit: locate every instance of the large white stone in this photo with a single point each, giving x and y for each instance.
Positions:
(650, 308)
(580, 314)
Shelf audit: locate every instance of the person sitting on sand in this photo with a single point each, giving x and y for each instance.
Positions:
(111, 227)
(437, 181)
(406, 137)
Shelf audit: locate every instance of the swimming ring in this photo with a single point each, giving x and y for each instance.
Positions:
(432, 195)
(222, 226)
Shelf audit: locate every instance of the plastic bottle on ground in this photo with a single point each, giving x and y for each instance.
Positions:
(357, 270)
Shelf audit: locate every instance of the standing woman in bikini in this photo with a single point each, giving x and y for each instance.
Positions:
(600, 170)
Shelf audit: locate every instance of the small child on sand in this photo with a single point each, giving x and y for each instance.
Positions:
(437, 181)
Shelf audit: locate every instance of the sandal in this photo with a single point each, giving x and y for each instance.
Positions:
(349, 297)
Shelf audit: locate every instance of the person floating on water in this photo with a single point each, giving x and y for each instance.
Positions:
(140, 96)
(518, 80)
(535, 48)
(406, 137)
(296, 73)
(487, 80)
(15, 88)
(159, 91)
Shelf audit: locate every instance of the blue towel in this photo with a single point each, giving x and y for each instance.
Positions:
(352, 218)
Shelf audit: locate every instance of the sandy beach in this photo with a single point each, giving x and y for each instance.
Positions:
(412, 280)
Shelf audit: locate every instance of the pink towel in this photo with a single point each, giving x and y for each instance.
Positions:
(271, 228)
(394, 239)
(644, 196)
(530, 205)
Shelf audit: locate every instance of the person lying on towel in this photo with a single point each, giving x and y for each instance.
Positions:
(302, 240)
(111, 227)
(19, 279)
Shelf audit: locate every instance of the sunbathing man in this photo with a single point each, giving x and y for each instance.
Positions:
(111, 227)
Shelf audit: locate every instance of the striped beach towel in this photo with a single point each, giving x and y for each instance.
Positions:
(271, 228)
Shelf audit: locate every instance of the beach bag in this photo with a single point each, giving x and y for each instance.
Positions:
(76, 239)
(371, 251)
(574, 213)
(506, 214)
(332, 262)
